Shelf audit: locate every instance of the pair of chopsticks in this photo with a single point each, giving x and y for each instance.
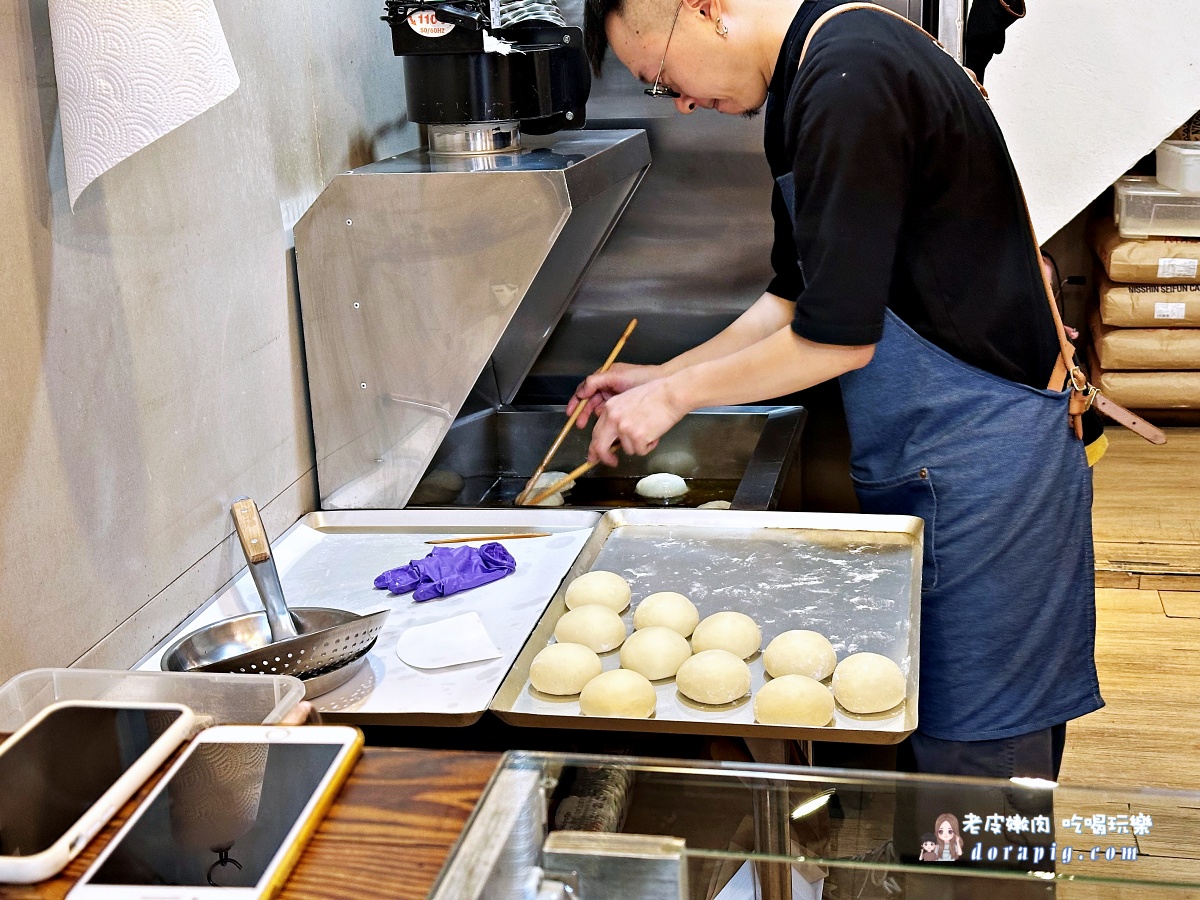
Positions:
(523, 497)
(571, 476)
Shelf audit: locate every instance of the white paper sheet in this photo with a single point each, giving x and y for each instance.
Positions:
(128, 72)
(450, 642)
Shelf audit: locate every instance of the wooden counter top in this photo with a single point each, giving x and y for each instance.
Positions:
(387, 835)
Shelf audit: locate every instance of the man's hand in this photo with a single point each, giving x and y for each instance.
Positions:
(596, 390)
(636, 418)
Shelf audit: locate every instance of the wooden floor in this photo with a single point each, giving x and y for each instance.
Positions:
(1146, 519)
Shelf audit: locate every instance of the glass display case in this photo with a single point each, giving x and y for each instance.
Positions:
(553, 826)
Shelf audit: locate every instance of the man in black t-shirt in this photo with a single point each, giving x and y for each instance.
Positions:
(905, 266)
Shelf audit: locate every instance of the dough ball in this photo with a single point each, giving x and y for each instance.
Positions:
(732, 631)
(868, 683)
(663, 486)
(800, 653)
(715, 504)
(554, 499)
(596, 627)
(713, 677)
(618, 693)
(606, 588)
(793, 700)
(563, 669)
(441, 486)
(674, 462)
(546, 479)
(655, 652)
(668, 609)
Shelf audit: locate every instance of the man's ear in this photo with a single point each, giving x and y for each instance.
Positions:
(710, 9)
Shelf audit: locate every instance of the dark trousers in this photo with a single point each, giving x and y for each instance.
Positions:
(1034, 755)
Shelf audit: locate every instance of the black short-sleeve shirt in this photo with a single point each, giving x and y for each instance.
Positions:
(905, 198)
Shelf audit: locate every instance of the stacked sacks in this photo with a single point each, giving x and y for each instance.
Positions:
(1145, 351)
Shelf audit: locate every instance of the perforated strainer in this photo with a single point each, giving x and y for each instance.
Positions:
(326, 641)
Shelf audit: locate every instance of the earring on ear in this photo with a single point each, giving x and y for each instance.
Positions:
(722, 28)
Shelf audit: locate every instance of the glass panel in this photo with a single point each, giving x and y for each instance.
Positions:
(758, 831)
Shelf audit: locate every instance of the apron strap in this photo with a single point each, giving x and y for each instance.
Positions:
(1083, 394)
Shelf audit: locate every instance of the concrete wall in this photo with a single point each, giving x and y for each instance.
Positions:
(151, 368)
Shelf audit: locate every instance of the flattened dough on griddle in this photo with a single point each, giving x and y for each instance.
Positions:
(663, 486)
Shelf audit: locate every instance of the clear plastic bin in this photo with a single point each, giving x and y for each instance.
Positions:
(1144, 207)
(1179, 166)
(226, 699)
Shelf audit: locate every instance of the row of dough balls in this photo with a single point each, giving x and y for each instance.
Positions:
(710, 670)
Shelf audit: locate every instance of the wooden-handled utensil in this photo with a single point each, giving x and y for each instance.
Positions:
(257, 549)
(566, 429)
(571, 476)
(491, 537)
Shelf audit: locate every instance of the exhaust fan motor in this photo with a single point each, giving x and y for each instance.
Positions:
(491, 61)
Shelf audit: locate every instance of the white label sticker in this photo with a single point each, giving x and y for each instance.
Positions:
(1177, 268)
(426, 24)
(1169, 310)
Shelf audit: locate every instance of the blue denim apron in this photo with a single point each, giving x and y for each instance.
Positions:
(1008, 615)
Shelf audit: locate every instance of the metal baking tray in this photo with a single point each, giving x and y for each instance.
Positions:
(854, 578)
(331, 559)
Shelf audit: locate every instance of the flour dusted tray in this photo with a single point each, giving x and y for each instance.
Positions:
(854, 578)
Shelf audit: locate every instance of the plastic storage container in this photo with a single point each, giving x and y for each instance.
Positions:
(1179, 166)
(1144, 207)
(226, 699)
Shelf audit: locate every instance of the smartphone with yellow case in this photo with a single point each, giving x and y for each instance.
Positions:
(230, 819)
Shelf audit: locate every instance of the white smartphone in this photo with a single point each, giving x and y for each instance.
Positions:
(229, 820)
(69, 769)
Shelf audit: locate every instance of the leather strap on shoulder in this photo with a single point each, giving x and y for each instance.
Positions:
(1083, 394)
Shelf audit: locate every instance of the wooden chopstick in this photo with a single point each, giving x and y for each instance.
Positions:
(557, 486)
(491, 537)
(566, 429)
(571, 476)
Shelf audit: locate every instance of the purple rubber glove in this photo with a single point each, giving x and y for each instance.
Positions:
(447, 571)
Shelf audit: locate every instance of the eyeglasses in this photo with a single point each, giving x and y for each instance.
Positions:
(659, 89)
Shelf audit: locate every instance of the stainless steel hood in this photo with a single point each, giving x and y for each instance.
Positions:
(423, 277)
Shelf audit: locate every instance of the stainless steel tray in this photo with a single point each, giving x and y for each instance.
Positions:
(331, 558)
(854, 578)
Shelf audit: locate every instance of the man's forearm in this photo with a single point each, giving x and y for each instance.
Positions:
(777, 365)
(766, 316)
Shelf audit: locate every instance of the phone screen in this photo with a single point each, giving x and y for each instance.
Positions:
(222, 817)
(59, 769)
